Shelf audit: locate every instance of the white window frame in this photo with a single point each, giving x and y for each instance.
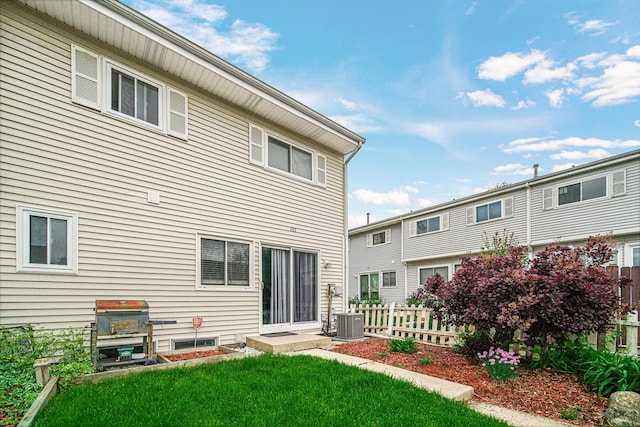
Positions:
(628, 253)
(111, 66)
(186, 339)
(444, 225)
(23, 213)
(369, 273)
(421, 267)
(102, 84)
(291, 146)
(258, 140)
(505, 210)
(395, 284)
(387, 238)
(225, 286)
(612, 189)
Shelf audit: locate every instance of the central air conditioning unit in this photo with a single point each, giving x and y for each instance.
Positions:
(350, 325)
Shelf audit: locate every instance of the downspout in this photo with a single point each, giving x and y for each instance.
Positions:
(345, 240)
(404, 264)
(529, 248)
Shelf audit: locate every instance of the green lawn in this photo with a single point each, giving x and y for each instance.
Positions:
(257, 391)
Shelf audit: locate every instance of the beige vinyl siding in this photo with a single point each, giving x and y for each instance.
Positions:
(61, 155)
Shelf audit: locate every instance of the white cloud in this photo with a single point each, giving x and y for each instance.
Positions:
(637, 123)
(463, 180)
(349, 105)
(634, 52)
(619, 84)
(425, 203)
(593, 26)
(358, 220)
(538, 144)
(597, 153)
(357, 122)
(555, 97)
(394, 197)
(410, 189)
(563, 166)
(544, 72)
(512, 169)
(472, 9)
(485, 98)
(524, 104)
(245, 43)
(500, 68)
(591, 60)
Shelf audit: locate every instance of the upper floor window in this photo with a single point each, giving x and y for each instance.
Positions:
(493, 210)
(223, 263)
(289, 158)
(429, 225)
(584, 190)
(46, 240)
(612, 184)
(100, 83)
(274, 153)
(134, 97)
(378, 238)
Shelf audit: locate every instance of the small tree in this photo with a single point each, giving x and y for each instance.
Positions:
(561, 291)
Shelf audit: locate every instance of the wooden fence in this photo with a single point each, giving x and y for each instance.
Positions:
(399, 321)
(419, 323)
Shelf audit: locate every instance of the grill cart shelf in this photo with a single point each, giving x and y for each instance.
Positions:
(116, 319)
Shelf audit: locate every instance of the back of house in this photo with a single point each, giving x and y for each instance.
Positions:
(138, 166)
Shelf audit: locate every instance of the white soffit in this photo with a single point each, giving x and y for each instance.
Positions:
(124, 28)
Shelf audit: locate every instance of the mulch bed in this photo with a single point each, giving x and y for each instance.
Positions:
(540, 392)
(194, 355)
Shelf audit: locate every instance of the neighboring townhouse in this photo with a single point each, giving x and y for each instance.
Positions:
(137, 165)
(601, 197)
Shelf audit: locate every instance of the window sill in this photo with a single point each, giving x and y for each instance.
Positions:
(44, 270)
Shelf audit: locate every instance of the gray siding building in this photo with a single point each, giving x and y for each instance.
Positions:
(597, 198)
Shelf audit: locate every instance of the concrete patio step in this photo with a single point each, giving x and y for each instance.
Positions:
(287, 343)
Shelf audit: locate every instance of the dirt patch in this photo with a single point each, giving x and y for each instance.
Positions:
(194, 355)
(540, 392)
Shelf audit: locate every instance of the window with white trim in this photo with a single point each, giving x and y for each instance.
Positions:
(46, 241)
(429, 225)
(369, 285)
(490, 211)
(185, 343)
(389, 279)
(223, 263)
(277, 154)
(609, 185)
(127, 94)
(379, 238)
(426, 272)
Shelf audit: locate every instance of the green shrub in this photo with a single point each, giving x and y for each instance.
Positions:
(404, 345)
(471, 343)
(425, 360)
(19, 349)
(366, 300)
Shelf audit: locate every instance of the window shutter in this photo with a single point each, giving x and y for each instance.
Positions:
(444, 221)
(369, 240)
(387, 236)
(547, 199)
(85, 76)
(508, 207)
(470, 216)
(413, 228)
(321, 173)
(256, 145)
(618, 184)
(177, 107)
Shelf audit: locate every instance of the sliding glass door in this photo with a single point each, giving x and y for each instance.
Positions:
(290, 287)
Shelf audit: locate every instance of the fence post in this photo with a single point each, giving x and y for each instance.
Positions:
(632, 325)
(390, 320)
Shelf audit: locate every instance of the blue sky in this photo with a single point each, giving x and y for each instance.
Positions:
(453, 97)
